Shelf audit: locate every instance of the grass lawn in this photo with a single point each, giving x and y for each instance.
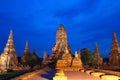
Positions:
(8, 75)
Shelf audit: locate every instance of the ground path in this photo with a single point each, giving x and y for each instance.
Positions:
(72, 75)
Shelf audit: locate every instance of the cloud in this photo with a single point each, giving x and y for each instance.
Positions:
(86, 22)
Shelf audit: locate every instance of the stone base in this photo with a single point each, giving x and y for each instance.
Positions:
(88, 71)
(97, 74)
(70, 68)
(110, 77)
(82, 70)
(60, 78)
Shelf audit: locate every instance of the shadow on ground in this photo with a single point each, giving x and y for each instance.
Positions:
(48, 74)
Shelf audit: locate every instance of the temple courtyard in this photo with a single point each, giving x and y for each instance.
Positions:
(71, 75)
(61, 64)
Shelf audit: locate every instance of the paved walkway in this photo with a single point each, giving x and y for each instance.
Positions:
(72, 75)
(47, 75)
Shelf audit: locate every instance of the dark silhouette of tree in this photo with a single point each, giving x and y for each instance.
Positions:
(87, 56)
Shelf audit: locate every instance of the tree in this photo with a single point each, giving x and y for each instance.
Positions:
(87, 56)
(32, 60)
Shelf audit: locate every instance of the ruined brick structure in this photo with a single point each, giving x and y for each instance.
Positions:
(114, 56)
(97, 57)
(8, 59)
(61, 55)
(25, 53)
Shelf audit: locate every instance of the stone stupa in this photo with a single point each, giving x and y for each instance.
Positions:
(77, 63)
(60, 75)
(62, 54)
(44, 59)
(97, 58)
(114, 55)
(25, 54)
(8, 59)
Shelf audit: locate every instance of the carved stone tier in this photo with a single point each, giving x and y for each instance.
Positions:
(61, 46)
(8, 59)
(60, 75)
(97, 59)
(26, 53)
(61, 55)
(67, 63)
(114, 56)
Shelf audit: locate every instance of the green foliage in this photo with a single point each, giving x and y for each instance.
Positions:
(87, 56)
(32, 60)
(9, 75)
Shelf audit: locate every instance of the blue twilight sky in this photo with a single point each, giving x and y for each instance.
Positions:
(86, 22)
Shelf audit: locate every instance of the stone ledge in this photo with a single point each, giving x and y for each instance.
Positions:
(70, 68)
(89, 71)
(82, 70)
(110, 72)
(97, 74)
(110, 77)
(60, 78)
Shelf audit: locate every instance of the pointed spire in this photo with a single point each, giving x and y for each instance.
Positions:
(96, 46)
(10, 39)
(44, 59)
(9, 50)
(61, 26)
(10, 44)
(26, 50)
(114, 51)
(10, 36)
(61, 34)
(114, 40)
(45, 55)
(114, 36)
(97, 50)
(97, 58)
(26, 44)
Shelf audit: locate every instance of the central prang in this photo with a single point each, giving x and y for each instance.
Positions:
(61, 56)
(61, 46)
